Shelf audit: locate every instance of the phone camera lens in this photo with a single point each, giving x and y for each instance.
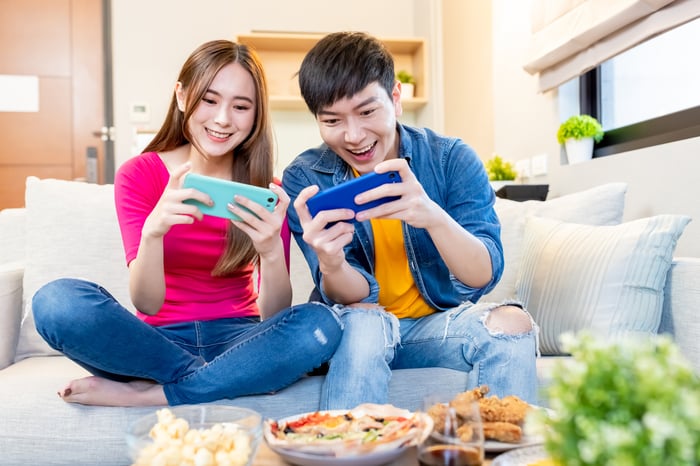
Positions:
(270, 200)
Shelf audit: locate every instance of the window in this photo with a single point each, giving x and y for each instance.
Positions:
(645, 96)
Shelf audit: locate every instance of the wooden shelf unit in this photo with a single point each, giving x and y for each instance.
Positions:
(282, 54)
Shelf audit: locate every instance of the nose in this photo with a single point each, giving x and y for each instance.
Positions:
(353, 131)
(223, 115)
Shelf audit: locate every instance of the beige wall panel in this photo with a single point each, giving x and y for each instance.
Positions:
(468, 79)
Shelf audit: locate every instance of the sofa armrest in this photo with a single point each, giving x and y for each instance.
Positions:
(11, 274)
(680, 315)
(12, 234)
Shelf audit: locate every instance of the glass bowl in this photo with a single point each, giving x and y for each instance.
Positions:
(198, 432)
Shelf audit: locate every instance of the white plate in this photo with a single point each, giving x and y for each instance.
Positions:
(493, 446)
(374, 458)
(521, 456)
(307, 455)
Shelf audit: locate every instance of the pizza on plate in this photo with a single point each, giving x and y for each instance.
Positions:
(363, 429)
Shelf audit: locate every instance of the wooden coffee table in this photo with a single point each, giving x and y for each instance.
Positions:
(267, 457)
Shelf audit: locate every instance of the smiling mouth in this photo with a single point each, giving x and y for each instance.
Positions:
(217, 134)
(364, 150)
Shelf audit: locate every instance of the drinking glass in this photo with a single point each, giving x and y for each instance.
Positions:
(457, 438)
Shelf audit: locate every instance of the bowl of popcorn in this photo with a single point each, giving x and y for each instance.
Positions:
(201, 435)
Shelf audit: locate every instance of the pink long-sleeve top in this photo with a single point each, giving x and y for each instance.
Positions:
(190, 251)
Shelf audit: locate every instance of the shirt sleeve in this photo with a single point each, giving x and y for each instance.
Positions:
(138, 185)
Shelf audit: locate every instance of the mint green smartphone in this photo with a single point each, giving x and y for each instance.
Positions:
(222, 192)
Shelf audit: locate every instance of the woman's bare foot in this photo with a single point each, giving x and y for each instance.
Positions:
(99, 391)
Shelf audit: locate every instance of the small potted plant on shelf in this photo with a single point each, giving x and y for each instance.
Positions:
(577, 135)
(499, 169)
(408, 84)
(502, 177)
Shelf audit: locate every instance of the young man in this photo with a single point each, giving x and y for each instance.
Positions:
(405, 276)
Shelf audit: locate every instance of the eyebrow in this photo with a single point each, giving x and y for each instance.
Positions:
(237, 97)
(368, 100)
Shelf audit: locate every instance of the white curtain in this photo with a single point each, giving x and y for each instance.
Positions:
(570, 37)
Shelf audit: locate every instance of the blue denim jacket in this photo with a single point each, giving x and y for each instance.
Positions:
(451, 174)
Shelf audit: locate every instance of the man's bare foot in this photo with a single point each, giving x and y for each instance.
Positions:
(99, 391)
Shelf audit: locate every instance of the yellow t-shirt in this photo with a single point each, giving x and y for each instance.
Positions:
(397, 290)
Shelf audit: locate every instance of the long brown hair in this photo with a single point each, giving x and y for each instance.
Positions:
(253, 159)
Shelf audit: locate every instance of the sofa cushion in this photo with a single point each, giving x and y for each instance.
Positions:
(71, 232)
(601, 205)
(606, 279)
(680, 316)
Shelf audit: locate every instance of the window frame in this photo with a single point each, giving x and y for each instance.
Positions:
(672, 127)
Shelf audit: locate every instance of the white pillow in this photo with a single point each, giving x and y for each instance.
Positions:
(606, 279)
(601, 205)
(72, 231)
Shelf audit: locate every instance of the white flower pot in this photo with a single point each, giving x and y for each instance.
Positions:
(578, 150)
(407, 91)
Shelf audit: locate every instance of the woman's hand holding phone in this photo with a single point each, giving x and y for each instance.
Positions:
(170, 209)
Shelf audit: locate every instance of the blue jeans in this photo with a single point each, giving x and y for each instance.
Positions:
(375, 342)
(197, 361)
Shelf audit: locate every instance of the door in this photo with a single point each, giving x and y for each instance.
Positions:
(58, 45)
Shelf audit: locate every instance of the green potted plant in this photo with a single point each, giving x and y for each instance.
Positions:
(577, 135)
(499, 169)
(626, 401)
(408, 84)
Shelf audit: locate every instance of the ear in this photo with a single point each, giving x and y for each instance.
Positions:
(180, 96)
(396, 98)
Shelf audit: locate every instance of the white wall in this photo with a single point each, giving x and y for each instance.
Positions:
(152, 39)
(661, 179)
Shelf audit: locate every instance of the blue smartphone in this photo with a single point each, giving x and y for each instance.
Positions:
(222, 192)
(343, 195)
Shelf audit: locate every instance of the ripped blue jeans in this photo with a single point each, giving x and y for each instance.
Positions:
(374, 342)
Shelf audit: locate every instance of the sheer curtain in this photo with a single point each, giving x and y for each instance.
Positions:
(570, 37)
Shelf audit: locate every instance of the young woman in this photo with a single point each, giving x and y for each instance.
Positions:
(205, 329)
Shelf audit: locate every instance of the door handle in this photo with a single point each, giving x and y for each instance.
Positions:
(106, 133)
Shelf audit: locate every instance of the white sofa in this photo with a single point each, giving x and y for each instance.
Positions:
(69, 229)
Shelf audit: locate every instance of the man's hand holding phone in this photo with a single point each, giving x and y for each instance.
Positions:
(343, 196)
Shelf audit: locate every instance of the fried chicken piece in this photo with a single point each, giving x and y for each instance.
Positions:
(503, 431)
(438, 412)
(507, 409)
(465, 432)
(462, 402)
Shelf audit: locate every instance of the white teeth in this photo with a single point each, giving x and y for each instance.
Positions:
(364, 149)
(218, 134)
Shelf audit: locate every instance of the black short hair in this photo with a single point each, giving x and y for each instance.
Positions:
(340, 65)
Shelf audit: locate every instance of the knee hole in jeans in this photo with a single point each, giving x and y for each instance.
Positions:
(510, 320)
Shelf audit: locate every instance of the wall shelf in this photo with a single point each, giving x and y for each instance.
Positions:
(282, 54)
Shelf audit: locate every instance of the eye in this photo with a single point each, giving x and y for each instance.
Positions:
(208, 101)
